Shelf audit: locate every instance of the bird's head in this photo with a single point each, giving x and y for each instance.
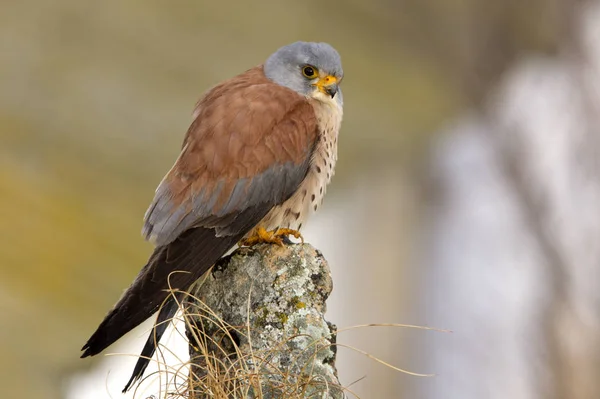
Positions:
(311, 69)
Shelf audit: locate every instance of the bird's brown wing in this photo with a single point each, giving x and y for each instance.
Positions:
(248, 150)
(248, 147)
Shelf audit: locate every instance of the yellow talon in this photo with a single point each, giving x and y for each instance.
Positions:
(261, 236)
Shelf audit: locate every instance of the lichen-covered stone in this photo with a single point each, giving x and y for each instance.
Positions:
(260, 313)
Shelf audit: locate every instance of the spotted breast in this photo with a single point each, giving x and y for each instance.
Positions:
(294, 212)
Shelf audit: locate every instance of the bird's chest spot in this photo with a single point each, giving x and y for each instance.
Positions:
(309, 196)
(322, 166)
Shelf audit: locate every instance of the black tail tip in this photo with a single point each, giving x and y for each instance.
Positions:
(88, 350)
(130, 383)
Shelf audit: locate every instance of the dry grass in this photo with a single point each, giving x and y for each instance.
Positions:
(223, 370)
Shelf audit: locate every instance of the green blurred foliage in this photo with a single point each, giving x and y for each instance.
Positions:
(95, 98)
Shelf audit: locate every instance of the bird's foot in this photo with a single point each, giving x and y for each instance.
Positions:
(278, 237)
(285, 233)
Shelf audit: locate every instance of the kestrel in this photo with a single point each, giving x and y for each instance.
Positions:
(255, 162)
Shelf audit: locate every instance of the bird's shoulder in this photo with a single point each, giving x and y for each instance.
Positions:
(246, 117)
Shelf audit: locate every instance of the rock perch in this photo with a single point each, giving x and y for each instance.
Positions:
(256, 326)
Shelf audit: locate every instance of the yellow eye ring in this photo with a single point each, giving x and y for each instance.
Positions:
(310, 71)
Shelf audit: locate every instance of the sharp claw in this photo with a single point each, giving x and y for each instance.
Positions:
(286, 240)
(289, 232)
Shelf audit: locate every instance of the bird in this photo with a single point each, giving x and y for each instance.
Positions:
(254, 164)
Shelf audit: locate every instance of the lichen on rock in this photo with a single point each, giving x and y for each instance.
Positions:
(257, 329)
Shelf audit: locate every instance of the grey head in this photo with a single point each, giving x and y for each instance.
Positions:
(311, 69)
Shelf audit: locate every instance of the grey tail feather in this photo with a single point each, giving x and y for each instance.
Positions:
(166, 313)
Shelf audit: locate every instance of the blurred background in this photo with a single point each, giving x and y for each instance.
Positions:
(466, 195)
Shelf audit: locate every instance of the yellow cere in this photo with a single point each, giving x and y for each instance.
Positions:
(326, 81)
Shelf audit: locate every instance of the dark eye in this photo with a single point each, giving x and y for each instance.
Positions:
(309, 71)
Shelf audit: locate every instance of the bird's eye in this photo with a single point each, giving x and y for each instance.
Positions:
(309, 71)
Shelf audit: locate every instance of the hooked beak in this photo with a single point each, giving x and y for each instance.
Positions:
(328, 85)
(332, 89)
